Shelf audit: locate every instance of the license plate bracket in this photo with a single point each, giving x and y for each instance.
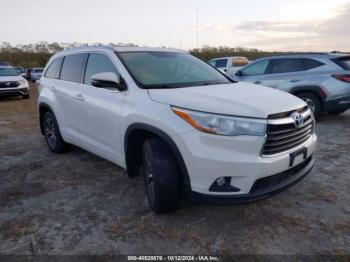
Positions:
(292, 156)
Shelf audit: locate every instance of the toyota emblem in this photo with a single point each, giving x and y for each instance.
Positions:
(298, 119)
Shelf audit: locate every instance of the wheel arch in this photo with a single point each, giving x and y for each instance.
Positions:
(43, 108)
(318, 91)
(134, 137)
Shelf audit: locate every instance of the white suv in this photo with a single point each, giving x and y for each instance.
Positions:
(178, 121)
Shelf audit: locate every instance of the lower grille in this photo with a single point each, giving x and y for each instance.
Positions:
(9, 84)
(266, 182)
(283, 134)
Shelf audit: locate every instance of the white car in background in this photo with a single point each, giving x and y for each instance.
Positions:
(12, 83)
(176, 120)
(229, 65)
(36, 74)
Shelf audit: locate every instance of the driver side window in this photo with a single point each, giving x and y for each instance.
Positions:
(97, 63)
(257, 68)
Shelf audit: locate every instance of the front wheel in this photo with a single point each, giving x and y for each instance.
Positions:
(313, 102)
(162, 177)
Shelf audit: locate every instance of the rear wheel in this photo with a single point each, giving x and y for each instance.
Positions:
(52, 134)
(162, 177)
(313, 102)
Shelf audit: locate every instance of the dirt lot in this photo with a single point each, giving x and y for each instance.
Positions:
(77, 203)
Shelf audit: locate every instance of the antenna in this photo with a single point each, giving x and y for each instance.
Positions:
(197, 28)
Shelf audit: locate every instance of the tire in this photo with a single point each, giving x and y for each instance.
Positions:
(162, 176)
(313, 102)
(336, 112)
(26, 96)
(52, 134)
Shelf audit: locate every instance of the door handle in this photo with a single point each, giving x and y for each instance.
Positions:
(52, 88)
(257, 82)
(294, 80)
(80, 97)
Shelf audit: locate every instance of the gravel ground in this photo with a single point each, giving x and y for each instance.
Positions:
(77, 203)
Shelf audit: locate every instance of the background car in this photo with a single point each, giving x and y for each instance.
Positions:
(36, 74)
(12, 83)
(229, 65)
(322, 80)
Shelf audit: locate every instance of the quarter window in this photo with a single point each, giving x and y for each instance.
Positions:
(72, 67)
(97, 63)
(310, 63)
(257, 68)
(54, 69)
(286, 65)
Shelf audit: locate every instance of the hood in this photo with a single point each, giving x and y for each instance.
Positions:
(10, 78)
(238, 99)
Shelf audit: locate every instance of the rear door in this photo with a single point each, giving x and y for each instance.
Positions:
(69, 94)
(283, 73)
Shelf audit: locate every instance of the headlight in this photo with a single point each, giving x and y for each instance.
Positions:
(21, 82)
(221, 124)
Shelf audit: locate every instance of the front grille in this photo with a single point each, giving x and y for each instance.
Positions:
(283, 134)
(270, 181)
(9, 84)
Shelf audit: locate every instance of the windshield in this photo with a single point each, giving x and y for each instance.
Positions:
(8, 72)
(170, 70)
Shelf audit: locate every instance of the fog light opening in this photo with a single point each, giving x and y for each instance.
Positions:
(223, 184)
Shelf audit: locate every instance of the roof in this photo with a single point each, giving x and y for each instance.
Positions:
(117, 49)
(227, 57)
(306, 55)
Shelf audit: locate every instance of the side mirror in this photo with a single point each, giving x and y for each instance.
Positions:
(106, 80)
(239, 73)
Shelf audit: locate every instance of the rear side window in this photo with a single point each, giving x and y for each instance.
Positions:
(311, 63)
(73, 67)
(97, 63)
(257, 68)
(343, 62)
(286, 65)
(54, 69)
(221, 63)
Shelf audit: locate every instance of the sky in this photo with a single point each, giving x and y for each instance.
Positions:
(272, 25)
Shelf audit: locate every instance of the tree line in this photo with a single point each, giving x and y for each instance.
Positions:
(37, 55)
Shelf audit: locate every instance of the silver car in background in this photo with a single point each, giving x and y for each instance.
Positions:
(322, 80)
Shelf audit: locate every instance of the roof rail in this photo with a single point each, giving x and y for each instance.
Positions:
(300, 53)
(89, 46)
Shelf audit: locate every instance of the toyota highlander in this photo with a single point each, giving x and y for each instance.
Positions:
(178, 121)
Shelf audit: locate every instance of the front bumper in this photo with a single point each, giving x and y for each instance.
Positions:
(265, 187)
(341, 102)
(208, 157)
(14, 91)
